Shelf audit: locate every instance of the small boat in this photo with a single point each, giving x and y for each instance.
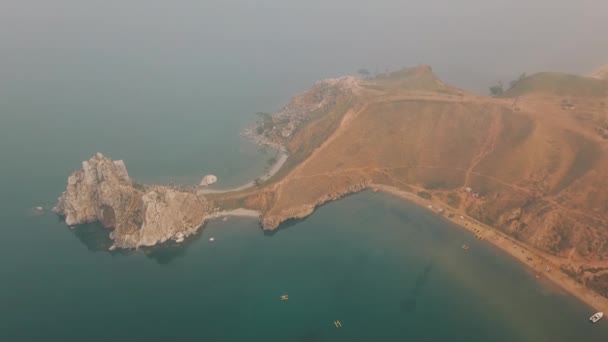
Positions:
(465, 247)
(284, 298)
(338, 324)
(211, 239)
(596, 317)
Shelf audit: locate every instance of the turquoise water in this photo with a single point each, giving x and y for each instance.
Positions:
(387, 270)
(167, 87)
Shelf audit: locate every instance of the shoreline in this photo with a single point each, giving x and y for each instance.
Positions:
(534, 260)
(271, 172)
(235, 212)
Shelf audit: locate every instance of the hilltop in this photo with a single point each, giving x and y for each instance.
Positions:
(531, 164)
(561, 85)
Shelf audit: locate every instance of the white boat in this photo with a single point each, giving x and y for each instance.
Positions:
(596, 317)
(211, 239)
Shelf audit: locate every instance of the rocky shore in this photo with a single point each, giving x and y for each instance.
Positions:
(140, 215)
(275, 130)
(272, 221)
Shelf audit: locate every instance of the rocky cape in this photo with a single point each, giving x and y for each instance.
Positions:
(145, 215)
(531, 164)
(140, 215)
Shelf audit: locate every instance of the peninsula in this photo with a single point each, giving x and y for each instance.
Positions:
(525, 170)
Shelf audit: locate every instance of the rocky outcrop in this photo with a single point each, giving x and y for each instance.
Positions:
(141, 216)
(97, 192)
(276, 129)
(167, 214)
(208, 180)
(271, 221)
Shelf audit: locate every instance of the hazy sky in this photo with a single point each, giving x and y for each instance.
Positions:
(469, 43)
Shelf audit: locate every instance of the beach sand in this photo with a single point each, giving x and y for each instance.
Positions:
(543, 265)
(274, 169)
(235, 212)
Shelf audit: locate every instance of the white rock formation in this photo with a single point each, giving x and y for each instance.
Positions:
(208, 179)
(141, 216)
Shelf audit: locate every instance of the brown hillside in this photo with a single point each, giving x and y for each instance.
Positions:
(558, 84)
(537, 159)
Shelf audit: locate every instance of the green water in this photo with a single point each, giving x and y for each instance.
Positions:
(387, 270)
(167, 86)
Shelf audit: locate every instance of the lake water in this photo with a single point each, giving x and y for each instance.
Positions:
(386, 269)
(168, 88)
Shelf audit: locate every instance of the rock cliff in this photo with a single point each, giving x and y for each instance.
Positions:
(272, 219)
(141, 216)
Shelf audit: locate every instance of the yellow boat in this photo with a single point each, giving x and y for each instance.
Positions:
(284, 297)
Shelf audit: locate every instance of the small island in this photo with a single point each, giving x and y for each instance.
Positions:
(524, 169)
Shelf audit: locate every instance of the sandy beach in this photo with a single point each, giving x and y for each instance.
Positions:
(235, 212)
(542, 265)
(274, 169)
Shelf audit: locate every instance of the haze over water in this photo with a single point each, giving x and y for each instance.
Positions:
(168, 86)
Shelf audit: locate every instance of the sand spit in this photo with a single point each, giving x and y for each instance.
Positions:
(235, 212)
(271, 172)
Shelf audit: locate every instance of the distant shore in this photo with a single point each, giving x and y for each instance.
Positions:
(543, 265)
